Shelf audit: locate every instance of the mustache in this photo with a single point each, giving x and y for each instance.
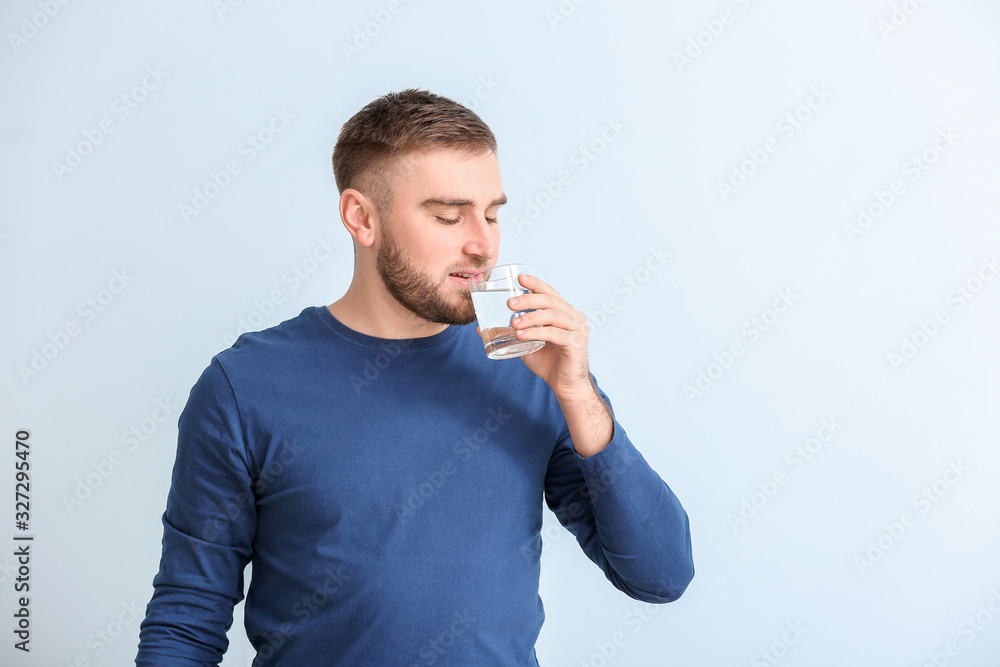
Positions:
(472, 269)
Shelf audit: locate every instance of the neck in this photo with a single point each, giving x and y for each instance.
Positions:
(368, 308)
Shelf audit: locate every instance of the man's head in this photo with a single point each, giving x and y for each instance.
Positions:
(420, 189)
(377, 145)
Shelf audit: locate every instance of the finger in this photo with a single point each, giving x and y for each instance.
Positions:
(536, 284)
(537, 301)
(549, 317)
(569, 339)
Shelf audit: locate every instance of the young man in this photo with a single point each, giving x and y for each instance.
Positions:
(383, 476)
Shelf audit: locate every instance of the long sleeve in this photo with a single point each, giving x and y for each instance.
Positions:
(624, 516)
(361, 476)
(208, 530)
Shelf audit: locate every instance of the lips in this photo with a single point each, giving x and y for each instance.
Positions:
(463, 276)
(468, 272)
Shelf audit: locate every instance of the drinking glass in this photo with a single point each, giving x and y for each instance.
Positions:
(490, 290)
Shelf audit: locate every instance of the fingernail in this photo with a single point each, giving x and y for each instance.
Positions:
(513, 301)
(516, 321)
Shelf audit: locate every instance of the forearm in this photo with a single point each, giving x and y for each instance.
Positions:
(640, 530)
(625, 517)
(588, 418)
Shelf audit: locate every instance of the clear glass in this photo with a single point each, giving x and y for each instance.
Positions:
(490, 290)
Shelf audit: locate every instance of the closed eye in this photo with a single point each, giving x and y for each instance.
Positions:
(452, 221)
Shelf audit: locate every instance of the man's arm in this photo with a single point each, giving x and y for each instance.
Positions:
(625, 517)
(588, 419)
(208, 530)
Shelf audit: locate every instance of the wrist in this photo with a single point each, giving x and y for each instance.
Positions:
(582, 391)
(589, 419)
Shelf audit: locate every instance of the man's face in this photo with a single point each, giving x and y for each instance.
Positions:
(441, 223)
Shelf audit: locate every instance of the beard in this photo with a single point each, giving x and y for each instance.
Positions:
(417, 292)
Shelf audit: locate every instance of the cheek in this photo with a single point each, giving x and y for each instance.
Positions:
(426, 245)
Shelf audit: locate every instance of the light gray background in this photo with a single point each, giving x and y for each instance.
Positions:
(547, 87)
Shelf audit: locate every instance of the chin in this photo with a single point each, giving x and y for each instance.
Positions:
(453, 319)
(463, 312)
(461, 317)
(444, 310)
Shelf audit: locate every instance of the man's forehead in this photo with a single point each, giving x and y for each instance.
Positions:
(450, 177)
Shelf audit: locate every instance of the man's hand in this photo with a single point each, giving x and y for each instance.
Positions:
(562, 363)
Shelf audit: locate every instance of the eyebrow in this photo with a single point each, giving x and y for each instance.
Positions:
(458, 203)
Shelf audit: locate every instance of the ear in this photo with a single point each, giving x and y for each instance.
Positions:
(358, 214)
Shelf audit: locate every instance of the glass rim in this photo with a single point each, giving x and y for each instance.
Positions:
(524, 268)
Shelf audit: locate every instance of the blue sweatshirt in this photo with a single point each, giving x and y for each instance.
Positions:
(388, 494)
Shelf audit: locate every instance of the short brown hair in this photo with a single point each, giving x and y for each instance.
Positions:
(389, 127)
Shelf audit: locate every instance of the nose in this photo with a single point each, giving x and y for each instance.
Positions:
(483, 238)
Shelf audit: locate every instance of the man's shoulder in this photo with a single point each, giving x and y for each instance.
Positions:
(280, 340)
